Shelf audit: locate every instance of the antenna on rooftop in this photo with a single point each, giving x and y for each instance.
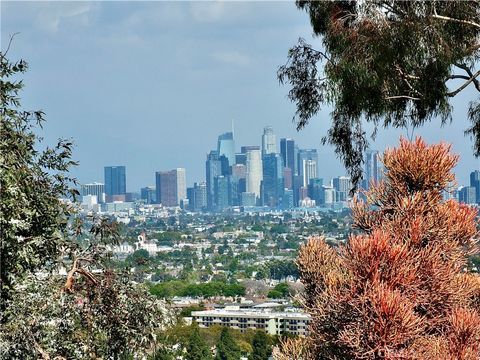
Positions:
(233, 134)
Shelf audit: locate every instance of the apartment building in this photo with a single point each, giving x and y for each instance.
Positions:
(273, 322)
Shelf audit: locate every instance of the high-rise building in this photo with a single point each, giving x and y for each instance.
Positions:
(475, 182)
(269, 141)
(213, 168)
(241, 158)
(467, 195)
(115, 180)
(97, 189)
(309, 171)
(254, 170)
(197, 196)
(328, 195)
(226, 146)
(287, 199)
(315, 188)
(342, 185)
(312, 166)
(149, 194)
(371, 168)
(221, 185)
(171, 187)
(287, 150)
(272, 183)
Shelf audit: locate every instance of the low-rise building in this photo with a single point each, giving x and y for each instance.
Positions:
(273, 322)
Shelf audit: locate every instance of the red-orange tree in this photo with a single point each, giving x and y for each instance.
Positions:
(398, 290)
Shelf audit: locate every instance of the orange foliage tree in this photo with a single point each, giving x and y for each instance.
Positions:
(398, 289)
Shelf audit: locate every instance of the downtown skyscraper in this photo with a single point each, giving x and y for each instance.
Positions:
(269, 141)
(115, 180)
(171, 187)
(287, 151)
(226, 147)
(254, 170)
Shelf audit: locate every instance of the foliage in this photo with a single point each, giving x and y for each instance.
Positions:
(227, 349)
(281, 290)
(197, 348)
(390, 63)
(398, 289)
(138, 258)
(262, 348)
(182, 288)
(32, 216)
(89, 311)
(278, 270)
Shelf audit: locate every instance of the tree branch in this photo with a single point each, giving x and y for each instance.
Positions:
(465, 84)
(446, 18)
(402, 97)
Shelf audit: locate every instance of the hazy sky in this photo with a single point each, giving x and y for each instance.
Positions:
(150, 85)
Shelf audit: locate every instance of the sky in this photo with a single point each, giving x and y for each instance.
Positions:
(151, 85)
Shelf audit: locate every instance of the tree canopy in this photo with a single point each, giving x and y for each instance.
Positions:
(389, 63)
(60, 298)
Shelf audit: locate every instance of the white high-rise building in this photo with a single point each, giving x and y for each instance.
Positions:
(254, 171)
(269, 141)
(97, 189)
(309, 171)
(181, 184)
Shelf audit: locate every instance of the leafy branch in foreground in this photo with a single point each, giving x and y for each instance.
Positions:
(88, 312)
(389, 63)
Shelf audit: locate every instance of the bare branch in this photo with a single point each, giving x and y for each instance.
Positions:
(460, 21)
(3, 54)
(402, 97)
(465, 84)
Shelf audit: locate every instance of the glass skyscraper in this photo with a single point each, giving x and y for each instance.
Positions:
(272, 183)
(226, 147)
(115, 180)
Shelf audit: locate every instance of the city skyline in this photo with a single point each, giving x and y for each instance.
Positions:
(217, 63)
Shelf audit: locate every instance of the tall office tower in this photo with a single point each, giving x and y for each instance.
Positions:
(287, 178)
(371, 168)
(115, 180)
(269, 141)
(221, 186)
(254, 170)
(200, 190)
(181, 184)
(466, 194)
(328, 195)
(315, 190)
(149, 194)
(213, 168)
(309, 171)
(197, 196)
(287, 199)
(238, 183)
(272, 184)
(241, 158)
(97, 189)
(303, 155)
(287, 150)
(226, 146)
(171, 187)
(475, 182)
(342, 185)
(297, 184)
(191, 198)
(225, 165)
